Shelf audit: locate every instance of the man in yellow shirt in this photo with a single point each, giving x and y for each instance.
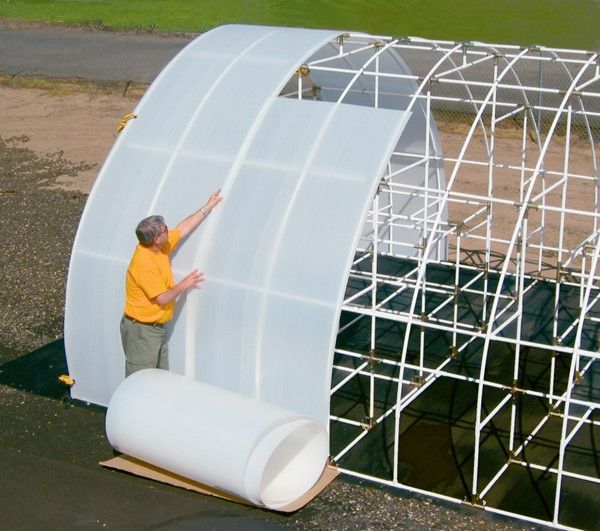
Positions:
(150, 290)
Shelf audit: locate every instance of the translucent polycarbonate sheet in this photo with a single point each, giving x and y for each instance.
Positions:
(192, 128)
(250, 449)
(255, 343)
(266, 318)
(392, 93)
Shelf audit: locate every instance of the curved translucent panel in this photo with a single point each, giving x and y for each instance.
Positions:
(192, 126)
(266, 319)
(256, 342)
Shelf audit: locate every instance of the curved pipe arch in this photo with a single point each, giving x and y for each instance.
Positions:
(520, 217)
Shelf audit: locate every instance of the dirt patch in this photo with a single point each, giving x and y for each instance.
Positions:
(77, 126)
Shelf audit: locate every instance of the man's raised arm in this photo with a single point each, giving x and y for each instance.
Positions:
(192, 221)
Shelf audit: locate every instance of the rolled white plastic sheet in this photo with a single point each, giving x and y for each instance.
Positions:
(256, 451)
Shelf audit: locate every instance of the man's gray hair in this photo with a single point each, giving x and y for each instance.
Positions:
(149, 228)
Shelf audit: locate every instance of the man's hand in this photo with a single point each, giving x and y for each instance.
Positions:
(193, 279)
(191, 222)
(190, 281)
(214, 199)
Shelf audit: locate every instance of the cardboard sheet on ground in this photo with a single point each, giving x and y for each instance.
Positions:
(134, 466)
(251, 352)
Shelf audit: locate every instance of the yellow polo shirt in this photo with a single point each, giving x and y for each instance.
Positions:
(149, 274)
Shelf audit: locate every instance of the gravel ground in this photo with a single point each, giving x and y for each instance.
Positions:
(38, 227)
(51, 445)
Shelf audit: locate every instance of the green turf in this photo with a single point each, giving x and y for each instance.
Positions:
(558, 23)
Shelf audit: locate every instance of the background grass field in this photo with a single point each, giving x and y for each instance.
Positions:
(557, 23)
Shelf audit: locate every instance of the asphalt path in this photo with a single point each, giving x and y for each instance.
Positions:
(98, 55)
(139, 57)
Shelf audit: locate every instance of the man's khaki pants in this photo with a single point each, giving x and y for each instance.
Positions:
(145, 346)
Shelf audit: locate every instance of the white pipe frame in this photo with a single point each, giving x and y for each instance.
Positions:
(576, 266)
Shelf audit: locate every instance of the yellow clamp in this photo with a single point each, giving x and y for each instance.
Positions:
(66, 379)
(124, 120)
(303, 71)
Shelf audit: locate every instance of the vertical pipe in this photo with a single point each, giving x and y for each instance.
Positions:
(377, 82)
(425, 236)
(563, 202)
(454, 347)
(521, 254)
(490, 191)
(488, 246)
(523, 155)
(373, 343)
(520, 281)
(561, 232)
(540, 94)
(392, 226)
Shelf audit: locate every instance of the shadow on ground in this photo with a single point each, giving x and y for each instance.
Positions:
(38, 371)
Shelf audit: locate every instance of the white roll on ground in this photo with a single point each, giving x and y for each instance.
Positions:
(251, 449)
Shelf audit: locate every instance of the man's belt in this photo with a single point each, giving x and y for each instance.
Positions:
(141, 322)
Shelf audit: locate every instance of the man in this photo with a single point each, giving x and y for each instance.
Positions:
(150, 291)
